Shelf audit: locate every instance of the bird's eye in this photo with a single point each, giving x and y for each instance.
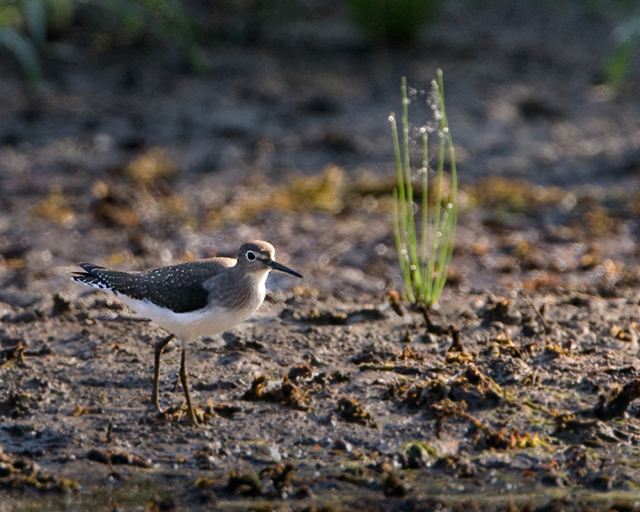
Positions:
(251, 255)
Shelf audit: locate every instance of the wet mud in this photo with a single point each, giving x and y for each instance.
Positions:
(519, 391)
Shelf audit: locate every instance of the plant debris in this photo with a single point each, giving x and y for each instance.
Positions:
(394, 485)
(418, 454)
(616, 405)
(396, 303)
(151, 166)
(22, 474)
(246, 483)
(14, 354)
(485, 436)
(117, 457)
(475, 388)
(281, 475)
(352, 411)
(286, 393)
(500, 310)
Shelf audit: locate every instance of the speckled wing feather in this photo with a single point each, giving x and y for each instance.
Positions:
(177, 287)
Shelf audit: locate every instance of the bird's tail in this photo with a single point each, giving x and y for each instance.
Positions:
(131, 284)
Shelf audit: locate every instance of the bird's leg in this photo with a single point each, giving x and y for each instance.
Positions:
(156, 370)
(185, 386)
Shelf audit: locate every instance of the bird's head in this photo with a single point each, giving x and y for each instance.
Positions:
(258, 256)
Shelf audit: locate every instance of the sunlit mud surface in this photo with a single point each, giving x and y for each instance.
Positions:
(519, 392)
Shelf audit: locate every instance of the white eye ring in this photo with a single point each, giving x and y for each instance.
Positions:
(251, 256)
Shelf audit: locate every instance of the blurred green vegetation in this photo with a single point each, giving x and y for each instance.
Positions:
(27, 25)
(627, 37)
(393, 21)
(22, 30)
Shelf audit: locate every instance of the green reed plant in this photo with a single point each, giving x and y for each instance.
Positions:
(424, 231)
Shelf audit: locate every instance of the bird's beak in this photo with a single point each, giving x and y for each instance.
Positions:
(278, 266)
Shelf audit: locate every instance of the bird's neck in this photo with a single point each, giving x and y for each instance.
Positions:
(254, 281)
(260, 279)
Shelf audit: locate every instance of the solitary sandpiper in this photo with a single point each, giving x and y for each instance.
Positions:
(194, 299)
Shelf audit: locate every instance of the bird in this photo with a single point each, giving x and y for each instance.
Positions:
(193, 299)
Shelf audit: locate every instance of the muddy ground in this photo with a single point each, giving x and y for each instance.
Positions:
(519, 394)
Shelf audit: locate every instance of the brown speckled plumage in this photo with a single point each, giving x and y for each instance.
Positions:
(187, 287)
(176, 287)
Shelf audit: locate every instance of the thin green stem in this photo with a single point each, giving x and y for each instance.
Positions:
(408, 185)
(401, 219)
(424, 224)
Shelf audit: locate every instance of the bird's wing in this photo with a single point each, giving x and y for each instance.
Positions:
(176, 287)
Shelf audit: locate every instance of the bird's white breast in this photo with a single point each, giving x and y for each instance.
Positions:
(205, 322)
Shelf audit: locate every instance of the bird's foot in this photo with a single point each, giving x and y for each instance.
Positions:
(193, 418)
(155, 414)
(154, 402)
(177, 413)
